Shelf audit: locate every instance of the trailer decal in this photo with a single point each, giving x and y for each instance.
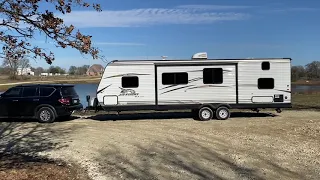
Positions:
(128, 74)
(177, 89)
(191, 80)
(205, 86)
(128, 92)
(101, 90)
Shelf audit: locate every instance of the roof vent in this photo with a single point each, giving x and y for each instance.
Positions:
(164, 57)
(201, 55)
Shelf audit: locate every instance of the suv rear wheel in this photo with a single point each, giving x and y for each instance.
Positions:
(45, 115)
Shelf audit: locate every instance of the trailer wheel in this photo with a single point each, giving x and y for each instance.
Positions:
(222, 113)
(205, 114)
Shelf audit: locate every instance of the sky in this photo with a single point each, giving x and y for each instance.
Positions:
(149, 29)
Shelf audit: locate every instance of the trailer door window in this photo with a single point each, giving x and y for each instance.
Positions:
(266, 83)
(130, 82)
(212, 76)
(174, 78)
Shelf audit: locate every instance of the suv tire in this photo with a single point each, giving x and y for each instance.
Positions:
(45, 115)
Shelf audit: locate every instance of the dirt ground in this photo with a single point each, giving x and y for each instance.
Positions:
(174, 146)
(14, 167)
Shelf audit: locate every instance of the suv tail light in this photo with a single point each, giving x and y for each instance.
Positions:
(64, 101)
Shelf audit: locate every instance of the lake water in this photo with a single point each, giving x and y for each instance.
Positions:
(85, 89)
(305, 88)
(90, 89)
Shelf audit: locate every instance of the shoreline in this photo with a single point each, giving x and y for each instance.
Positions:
(317, 83)
(6, 86)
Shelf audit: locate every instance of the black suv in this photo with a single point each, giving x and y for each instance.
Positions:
(45, 102)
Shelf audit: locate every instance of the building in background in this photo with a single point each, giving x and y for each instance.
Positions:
(95, 70)
(25, 71)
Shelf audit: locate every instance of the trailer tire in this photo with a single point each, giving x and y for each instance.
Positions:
(222, 113)
(205, 114)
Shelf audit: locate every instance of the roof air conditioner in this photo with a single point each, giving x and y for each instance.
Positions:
(201, 55)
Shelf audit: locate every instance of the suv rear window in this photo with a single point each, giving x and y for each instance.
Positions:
(68, 91)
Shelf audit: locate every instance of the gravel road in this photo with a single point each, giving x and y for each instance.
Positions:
(174, 146)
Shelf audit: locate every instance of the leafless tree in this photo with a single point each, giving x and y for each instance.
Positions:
(313, 70)
(11, 61)
(24, 63)
(298, 72)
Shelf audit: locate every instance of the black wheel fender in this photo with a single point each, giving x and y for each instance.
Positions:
(211, 106)
(224, 105)
(214, 106)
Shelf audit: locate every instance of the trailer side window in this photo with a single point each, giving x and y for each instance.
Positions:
(212, 76)
(130, 82)
(266, 83)
(174, 78)
(265, 66)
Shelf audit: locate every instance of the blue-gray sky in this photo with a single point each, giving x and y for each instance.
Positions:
(148, 29)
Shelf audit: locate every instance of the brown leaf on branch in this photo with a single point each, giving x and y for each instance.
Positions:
(21, 20)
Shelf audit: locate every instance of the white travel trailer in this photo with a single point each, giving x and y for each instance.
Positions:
(208, 87)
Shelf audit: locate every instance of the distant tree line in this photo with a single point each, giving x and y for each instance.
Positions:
(52, 69)
(310, 71)
(73, 70)
(11, 67)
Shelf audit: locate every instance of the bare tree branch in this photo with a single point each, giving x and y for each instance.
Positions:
(23, 17)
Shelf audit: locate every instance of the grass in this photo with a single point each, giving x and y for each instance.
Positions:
(306, 101)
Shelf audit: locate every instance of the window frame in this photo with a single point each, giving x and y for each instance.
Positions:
(175, 78)
(54, 90)
(203, 76)
(5, 94)
(130, 86)
(259, 87)
(74, 92)
(269, 65)
(37, 94)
